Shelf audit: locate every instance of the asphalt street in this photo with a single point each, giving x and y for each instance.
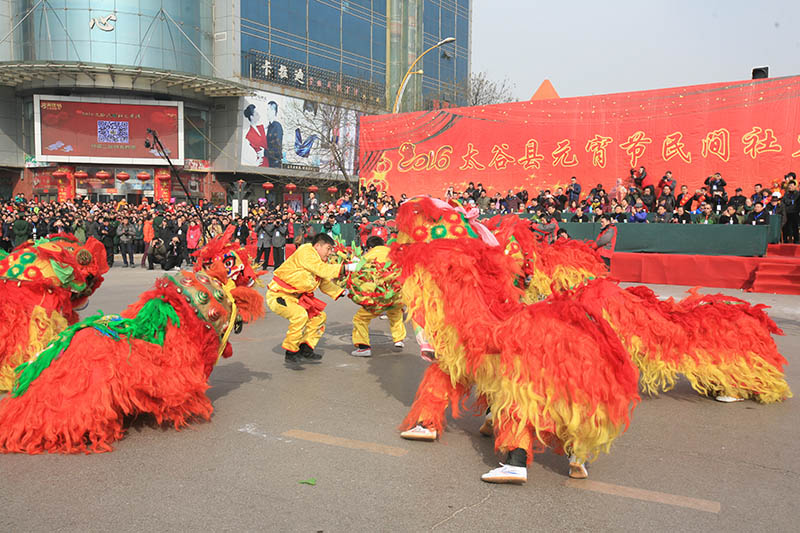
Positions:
(686, 462)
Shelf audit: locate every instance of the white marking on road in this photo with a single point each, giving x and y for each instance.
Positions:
(372, 447)
(707, 506)
(437, 524)
(252, 429)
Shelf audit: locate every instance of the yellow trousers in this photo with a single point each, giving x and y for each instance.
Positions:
(363, 317)
(301, 328)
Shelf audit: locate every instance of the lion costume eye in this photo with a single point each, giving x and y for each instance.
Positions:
(84, 257)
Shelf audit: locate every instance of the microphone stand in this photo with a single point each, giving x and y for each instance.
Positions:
(156, 143)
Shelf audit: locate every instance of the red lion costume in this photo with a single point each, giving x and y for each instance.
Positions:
(154, 358)
(554, 373)
(43, 284)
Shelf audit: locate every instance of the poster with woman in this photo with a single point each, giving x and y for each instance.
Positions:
(280, 131)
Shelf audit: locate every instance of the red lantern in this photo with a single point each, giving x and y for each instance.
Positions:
(102, 175)
(123, 176)
(163, 174)
(81, 175)
(313, 188)
(291, 187)
(332, 189)
(143, 176)
(349, 191)
(267, 186)
(59, 174)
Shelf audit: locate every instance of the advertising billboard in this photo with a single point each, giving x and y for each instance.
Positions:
(285, 132)
(749, 131)
(105, 130)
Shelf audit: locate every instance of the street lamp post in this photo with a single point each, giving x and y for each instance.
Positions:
(240, 197)
(411, 71)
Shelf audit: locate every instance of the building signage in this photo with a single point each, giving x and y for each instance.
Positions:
(105, 130)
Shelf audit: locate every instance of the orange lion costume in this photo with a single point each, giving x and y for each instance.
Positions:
(43, 284)
(156, 357)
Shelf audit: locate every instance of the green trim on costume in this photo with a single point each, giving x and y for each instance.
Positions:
(149, 325)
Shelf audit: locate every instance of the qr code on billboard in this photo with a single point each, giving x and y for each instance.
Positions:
(112, 131)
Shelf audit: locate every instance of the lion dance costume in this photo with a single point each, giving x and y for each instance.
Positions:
(156, 357)
(43, 284)
(375, 286)
(553, 373)
(722, 345)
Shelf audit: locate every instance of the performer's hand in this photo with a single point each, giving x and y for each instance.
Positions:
(351, 267)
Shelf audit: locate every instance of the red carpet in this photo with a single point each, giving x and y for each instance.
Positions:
(778, 274)
(783, 250)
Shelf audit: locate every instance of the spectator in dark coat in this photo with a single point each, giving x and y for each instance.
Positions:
(759, 216)
(791, 208)
(276, 232)
(667, 199)
(21, 230)
(573, 190)
(680, 216)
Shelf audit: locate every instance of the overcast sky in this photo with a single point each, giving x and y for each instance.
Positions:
(595, 47)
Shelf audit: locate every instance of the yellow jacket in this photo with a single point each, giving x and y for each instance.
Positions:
(378, 253)
(305, 271)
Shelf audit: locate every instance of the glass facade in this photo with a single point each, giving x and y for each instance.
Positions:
(446, 70)
(347, 40)
(141, 33)
(337, 38)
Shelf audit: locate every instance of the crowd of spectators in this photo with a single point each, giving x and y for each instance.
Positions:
(633, 201)
(166, 234)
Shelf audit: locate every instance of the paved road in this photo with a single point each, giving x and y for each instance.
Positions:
(685, 463)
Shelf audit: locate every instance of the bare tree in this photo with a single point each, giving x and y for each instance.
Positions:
(476, 90)
(484, 91)
(328, 131)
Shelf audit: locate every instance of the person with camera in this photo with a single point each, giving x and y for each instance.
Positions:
(175, 251)
(126, 233)
(263, 242)
(157, 254)
(276, 235)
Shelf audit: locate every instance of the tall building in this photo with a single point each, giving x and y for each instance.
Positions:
(240, 92)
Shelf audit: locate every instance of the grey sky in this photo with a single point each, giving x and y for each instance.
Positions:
(589, 47)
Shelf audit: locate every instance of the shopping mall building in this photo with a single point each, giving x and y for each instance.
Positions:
(241, 93)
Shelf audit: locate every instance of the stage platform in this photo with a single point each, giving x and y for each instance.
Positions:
(778, 272)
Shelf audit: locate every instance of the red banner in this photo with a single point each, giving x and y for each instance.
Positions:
(162, 187)
(66, 183)
(749, 131)
(94, 130)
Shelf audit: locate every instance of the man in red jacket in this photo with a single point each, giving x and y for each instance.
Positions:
(607, 240)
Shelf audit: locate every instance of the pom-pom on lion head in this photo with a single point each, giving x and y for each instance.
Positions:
(425, 219)
(58, 263)
(230, 256)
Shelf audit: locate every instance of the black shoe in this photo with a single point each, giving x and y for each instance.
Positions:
(292, 357)
(308, 353)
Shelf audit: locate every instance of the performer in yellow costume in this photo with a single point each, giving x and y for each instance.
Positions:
(290, 294)
(378, 255)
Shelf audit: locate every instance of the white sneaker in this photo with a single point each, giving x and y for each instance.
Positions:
(419, 432)
(383, 317)
(399, 345)
(577, 468)
(506, 474)
(362, 352)
(728, 399)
